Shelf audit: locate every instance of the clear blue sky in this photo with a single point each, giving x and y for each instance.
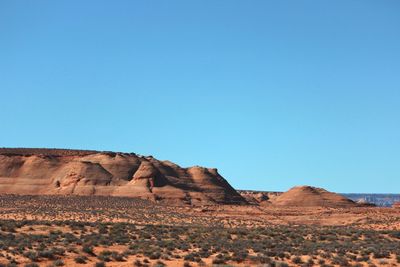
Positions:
(272, 93)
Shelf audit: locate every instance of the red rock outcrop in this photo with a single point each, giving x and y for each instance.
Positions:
(308, 196)
(396, 205)
(259, 197)
(83, 172)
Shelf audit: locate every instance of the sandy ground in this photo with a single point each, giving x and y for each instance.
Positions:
(137, 212)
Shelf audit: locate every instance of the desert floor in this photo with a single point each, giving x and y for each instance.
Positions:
(110, 231)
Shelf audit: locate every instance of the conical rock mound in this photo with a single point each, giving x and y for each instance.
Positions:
(308, 196)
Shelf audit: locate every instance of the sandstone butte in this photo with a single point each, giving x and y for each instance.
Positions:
(83, 172)
(31, 171)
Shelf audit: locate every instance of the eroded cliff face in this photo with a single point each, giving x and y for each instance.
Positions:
(77, 172)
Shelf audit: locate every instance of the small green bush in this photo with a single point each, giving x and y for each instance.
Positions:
(80, 259)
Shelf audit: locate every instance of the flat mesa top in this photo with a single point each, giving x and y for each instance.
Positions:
(49, 152)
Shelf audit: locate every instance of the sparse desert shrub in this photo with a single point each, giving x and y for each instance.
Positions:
(297, 260)
(58, 263)
(362, 258)
(88, 249)
(382, 262)
(100, 264)
(32, 255)
(352, 257)
(310, 262)
(105, 255)
(240, 256)
(340, 261)
(159, 264)
(268, 245)
(189, 257)
(117, 256)
(155, 255)
(8, 226)
(80, 259)
(381, 254)
(218, 261)
(395, 234)
(49, 254)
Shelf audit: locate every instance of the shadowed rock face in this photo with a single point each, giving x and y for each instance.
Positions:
(82, 172)
(308, 196)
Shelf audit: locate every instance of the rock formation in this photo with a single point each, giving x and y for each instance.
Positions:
(364, 203)
(82, 172)
(259, 197)
(307, 196)
(396, 205)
